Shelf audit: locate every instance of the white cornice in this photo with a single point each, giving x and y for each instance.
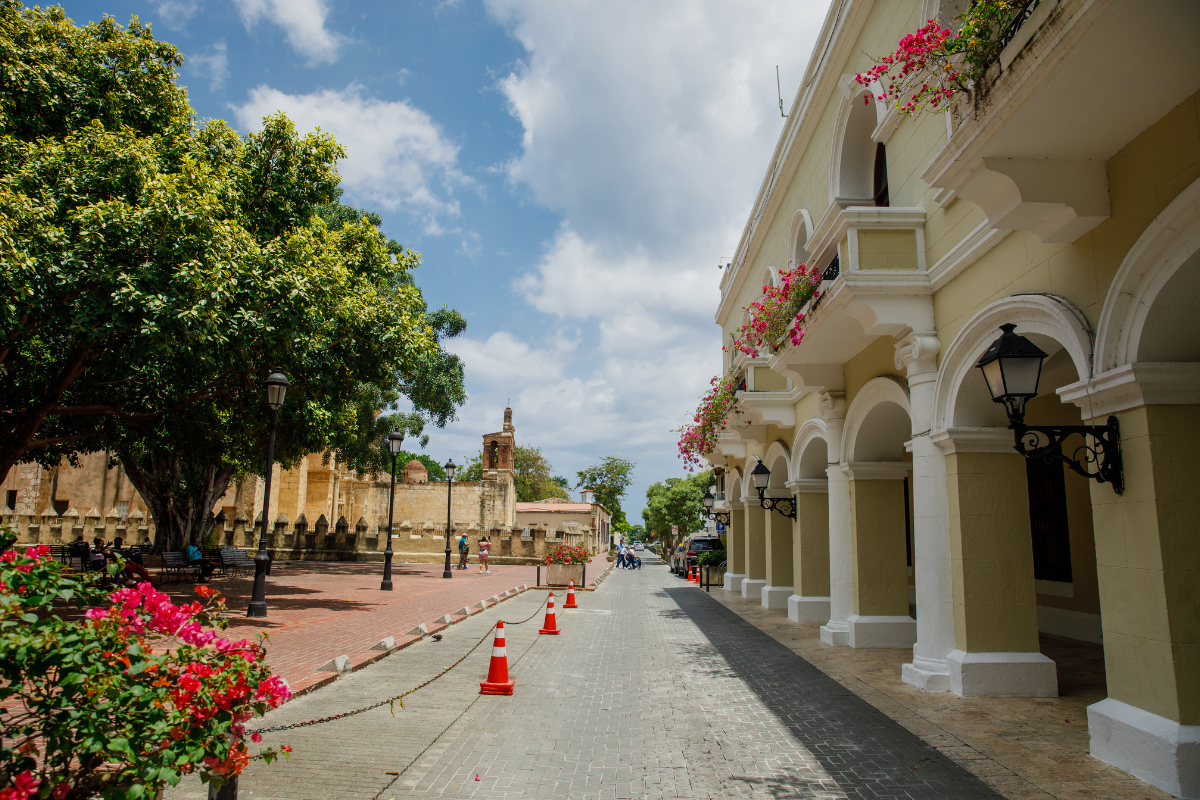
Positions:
(877, 470)
(974, 440)
(834, 45)
(964, 253)
(1132, 385)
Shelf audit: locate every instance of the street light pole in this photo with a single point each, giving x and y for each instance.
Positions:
(395, 441)
(277, 385)
(449, 467)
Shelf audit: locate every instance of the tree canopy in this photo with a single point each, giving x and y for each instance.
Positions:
(155, 270)
(608, 481)
(676, 501)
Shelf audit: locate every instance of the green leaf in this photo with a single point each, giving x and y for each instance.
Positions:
(30, 618)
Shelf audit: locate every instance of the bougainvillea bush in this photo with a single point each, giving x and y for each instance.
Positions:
(934, 64)
(776, 317)
(700, 436)
(567, 554)
(124, 699)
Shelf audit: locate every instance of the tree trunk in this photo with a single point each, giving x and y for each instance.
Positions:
(180, 496)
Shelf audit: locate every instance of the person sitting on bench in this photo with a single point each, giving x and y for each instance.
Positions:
(195, 558)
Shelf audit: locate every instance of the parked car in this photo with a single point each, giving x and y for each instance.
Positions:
(638, 546)
(687, 553)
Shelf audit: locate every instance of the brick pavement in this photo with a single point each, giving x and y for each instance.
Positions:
(319, 610)
(668, 694)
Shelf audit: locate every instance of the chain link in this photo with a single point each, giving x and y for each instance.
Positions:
(391, 701)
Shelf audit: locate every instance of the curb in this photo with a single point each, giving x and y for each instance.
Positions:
(357, 664)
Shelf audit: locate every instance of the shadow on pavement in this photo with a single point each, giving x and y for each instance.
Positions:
(867, 754)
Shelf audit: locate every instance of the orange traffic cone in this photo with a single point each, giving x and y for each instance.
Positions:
(497, 680)
(696, 580)
(570, 596)
(551, 626)
(689, 575)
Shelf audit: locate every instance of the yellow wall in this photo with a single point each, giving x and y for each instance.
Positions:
(778, 538)
(877, 358)
(887, 249)
(1148, 563)
(877, 548)
(991, 553)
(810, 545)
(756, 556)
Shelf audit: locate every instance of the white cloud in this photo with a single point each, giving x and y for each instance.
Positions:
(649, 126)
(397, 157)
(175, 13)
(214, 64)
(303, 21)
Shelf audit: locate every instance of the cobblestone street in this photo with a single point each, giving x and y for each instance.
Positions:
(652, 690)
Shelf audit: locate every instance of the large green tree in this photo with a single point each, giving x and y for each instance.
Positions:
(155, 270)
(608, 481)
(109, 243)
(676, 502)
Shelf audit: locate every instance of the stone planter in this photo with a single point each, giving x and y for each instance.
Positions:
(560, 574)
(611, 558)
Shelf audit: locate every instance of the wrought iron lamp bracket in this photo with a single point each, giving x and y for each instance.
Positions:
(1097, 458)
(718, 516)
(786, 506)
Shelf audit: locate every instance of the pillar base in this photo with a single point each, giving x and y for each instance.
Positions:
(776, 596)
(835, 633)
(752, 588)
(733, 582)
(927, 674)
(807, 609)
(1151, 748)
(882, 631)
(1002, 674)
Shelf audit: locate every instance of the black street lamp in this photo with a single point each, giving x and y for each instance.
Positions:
(707, 501)
(762, 477)
(277, 386)
(449, 467)
(395, 441)
(1012, 368)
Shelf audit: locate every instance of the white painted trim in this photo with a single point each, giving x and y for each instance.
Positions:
(877, 470)
(1151, 748)
(865, 631)
(835, 634)
(1133, 385)
(810, 430)
(733, 581)
(807, 609)
(927, 674)
(775, 596)
(1170, 240)
(966, 252)
(809, 486)
(1072, 624)
(1002, 674)
(885, 389)
(974, 440)
(752, 589)
(1054, 588)
(1042, 314)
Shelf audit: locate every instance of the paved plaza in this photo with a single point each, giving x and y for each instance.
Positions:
(653, 690)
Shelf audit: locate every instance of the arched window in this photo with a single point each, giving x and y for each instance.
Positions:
(495, 455)
(881, 178)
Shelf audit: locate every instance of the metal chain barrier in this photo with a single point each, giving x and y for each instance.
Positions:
(391, 701)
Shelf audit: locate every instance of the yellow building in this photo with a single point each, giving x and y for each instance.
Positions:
(1065, 202)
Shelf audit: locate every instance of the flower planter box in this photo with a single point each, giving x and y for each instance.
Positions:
(561, 574)
(611, 558)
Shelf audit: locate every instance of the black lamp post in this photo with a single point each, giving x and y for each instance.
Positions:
(277, 386)
(707, 501)
(395, 441)
(449, 467)
(1012, 367)
(762, 477)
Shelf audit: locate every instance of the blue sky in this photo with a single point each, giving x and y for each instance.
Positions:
(570, 170)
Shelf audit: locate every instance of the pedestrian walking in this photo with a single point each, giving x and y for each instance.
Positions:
(485, 544)
(464, 552)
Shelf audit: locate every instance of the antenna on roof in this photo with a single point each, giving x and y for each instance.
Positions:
(779, 92)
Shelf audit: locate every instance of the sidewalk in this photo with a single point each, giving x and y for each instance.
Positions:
(317, 611)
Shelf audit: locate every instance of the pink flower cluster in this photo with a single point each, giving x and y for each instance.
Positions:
(141, 609)
(24, 785)
(920, 72)
(25, 562)
(777, 316)
(700, 436)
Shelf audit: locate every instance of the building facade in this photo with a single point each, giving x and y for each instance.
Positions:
(1066, 201)
(321, 511)
(588, 524)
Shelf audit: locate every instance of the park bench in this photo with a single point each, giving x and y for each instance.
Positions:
(174, 567)
(236, 559)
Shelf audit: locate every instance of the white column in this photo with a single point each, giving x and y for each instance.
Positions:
(917, 353)
(841, 571)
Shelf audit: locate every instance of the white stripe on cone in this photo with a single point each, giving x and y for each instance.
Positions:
(498, 652)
